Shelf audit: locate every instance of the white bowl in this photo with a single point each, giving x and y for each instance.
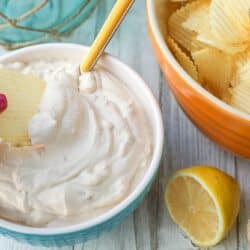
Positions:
(69, 235)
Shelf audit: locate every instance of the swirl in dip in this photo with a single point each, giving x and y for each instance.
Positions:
(92, 143)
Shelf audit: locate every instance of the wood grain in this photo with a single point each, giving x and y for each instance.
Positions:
(150, 227)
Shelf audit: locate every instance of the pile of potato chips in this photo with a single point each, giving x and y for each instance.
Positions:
(211, 40)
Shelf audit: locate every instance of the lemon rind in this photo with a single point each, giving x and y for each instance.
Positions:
(221, 230)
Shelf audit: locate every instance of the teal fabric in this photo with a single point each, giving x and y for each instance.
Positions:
(52, 16)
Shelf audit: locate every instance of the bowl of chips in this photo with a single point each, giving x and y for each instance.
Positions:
(203, 48)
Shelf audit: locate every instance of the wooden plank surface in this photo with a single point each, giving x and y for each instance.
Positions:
(150, 227)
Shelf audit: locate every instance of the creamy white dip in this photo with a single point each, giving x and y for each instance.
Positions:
(92, 145)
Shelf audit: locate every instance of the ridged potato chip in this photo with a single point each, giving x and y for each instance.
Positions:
(242, 58)
(215, 68)
(216, 33)
(199, 17)
(242, 75)
(209, 39)
(184, 60)
(186, 38)
(226, 97)
(240, 97)
(199, 22)
(181, 1)
(230, 20)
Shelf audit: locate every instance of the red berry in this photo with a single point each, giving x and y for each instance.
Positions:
(3, 102)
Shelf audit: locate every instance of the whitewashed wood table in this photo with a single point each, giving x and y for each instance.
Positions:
(150, 227)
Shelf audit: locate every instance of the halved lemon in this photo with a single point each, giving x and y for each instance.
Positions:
(204, 202)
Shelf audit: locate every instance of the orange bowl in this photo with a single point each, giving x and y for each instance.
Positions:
(225, 125)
